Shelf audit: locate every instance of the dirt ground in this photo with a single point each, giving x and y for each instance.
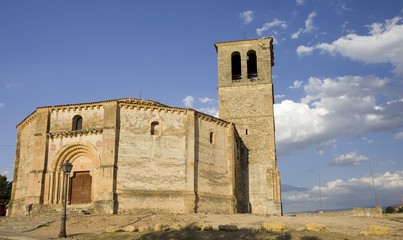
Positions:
(93, 227)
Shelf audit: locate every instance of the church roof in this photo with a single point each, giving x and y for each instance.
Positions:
(122, 101)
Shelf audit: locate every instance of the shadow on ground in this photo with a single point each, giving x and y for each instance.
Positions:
(204, 235)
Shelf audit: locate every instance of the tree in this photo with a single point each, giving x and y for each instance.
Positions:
(5, 189)
(390, 210)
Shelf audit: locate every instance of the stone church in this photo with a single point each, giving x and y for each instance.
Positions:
(130, 155)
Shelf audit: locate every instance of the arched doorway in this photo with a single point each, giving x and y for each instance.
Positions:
(81, 181)
(81, 185)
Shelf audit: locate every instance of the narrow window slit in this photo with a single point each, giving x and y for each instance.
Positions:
(212, 138)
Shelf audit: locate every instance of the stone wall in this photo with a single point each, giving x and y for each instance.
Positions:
(177, 170)
(22, 166)
(62, 138)
(368, 212)
(45, 140)
(356, 212)
(215, 176)
(61, 118)
(152, 168)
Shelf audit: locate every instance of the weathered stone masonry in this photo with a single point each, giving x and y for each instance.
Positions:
(245, 92)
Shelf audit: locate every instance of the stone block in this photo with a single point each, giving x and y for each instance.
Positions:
(227, 227)
(113, 229)
(316, 227)
(177, 227)
(274, 226)
(144, 229)
(207, 227)
(131, 228)
(161, 227)
(376, 230)
(195, 226)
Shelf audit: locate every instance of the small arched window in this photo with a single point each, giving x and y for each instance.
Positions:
(155, 128)
(212, 138)
(236, 66)
(252, 64)
(77, 123)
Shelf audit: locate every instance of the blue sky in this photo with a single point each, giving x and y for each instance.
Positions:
(338, 78)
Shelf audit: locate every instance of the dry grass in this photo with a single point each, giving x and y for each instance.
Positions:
(93, 227)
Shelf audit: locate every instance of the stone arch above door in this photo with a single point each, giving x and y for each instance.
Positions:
(71, 152)
(85, 160)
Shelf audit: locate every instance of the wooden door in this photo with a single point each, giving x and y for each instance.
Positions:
(80, 188)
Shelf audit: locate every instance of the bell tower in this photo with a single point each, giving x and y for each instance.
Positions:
(245, 93)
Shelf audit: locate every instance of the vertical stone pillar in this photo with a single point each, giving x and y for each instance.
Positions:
(57, 188)
(40, 151)
(231, 151)
(51, 187)
(13, 204)
(106, 200)
(191, 159)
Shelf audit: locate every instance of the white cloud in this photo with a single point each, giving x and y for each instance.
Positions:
(188, 101)
(200, 106)
(349, 159)
(271, 24)
(399, 135)
(354, 192)
(309, 22)
(308, 26)
(382, 45)
(246, 16)
(8, 174)
(296, 34)
(297, 84)
(320, 149)
(343, 106)
(300, 2)
(341, 8)
(279, 96)
(213, 111)
(367, 140)
(206, 100)
(12, 85)
(1, 104)
(304, 51)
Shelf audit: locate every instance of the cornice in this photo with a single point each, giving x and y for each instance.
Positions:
(27, 120)
(78, 133)
(151, 105)
(237, 42)
(209, 118)
(75, 107)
